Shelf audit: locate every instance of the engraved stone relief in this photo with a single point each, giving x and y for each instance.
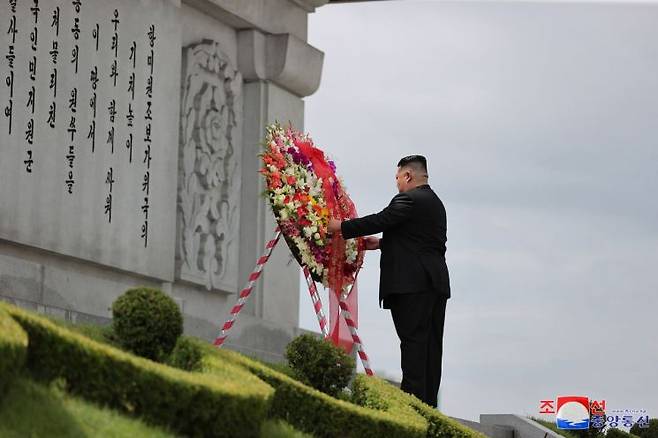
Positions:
(208, 205)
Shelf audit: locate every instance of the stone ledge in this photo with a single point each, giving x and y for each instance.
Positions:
(514, 426)
(269, 16)
(282, 59)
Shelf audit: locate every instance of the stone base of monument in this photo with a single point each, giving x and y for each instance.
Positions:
(84, 292)
(255, 339)
(508, 426)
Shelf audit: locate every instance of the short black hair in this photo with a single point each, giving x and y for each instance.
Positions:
(417, 162)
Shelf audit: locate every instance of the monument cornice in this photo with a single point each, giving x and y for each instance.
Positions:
(268, 16)
(282, 59)
(310, 5)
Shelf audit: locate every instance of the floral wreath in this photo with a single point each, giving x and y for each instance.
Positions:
(304, 193)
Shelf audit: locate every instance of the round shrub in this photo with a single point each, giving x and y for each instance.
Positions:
(187, 355)
(147, 322)
(320, 364)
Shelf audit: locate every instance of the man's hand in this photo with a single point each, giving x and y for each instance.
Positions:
(371, 242)
(334, 226)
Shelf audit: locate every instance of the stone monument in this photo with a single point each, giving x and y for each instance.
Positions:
(129, 141)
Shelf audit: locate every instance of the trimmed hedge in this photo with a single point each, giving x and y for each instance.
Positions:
(371, 392)
(192, 404)
(379, 394)
(13, 348)
(228, 398)
(314, 412)
(381, 409)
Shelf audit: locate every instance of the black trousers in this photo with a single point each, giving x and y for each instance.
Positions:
(419, 319)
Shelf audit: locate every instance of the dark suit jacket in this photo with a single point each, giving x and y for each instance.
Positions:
(413, 246)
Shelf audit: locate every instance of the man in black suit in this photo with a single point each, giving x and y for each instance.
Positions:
(414, 282)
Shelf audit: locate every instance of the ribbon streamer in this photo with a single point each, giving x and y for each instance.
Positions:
(345, 313)
(315, 297)
(244, 294)
(317, 303)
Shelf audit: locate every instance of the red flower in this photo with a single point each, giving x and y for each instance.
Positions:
(278, 160)
(275, 180)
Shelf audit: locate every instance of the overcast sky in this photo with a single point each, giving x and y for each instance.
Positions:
(540, 124)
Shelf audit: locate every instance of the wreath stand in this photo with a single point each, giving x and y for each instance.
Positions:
(344, 310)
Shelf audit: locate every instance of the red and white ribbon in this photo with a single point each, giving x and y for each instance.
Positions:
(317, 303)
(345, 313)
(315, 297)
(244, 294)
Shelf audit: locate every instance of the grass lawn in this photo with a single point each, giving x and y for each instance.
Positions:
(30, 409)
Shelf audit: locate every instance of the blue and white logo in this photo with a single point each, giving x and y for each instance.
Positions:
(572, 412)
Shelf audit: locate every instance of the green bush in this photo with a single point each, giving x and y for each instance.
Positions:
(391, 412)
(378, 394)
(566, 433)
(613, 432)
(190, 404)
(228, 398)
(320, 364)
(315, 412)
(187, 355)
(147, 322)
(362, 395)
(13, 348)
(646, 432)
